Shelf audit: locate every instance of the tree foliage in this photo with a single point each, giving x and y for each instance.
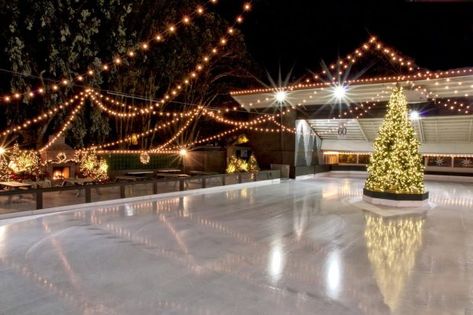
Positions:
(64, 38)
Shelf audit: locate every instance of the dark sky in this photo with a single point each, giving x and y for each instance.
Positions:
(300, 33)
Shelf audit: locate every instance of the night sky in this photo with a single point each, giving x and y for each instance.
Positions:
(298, 34)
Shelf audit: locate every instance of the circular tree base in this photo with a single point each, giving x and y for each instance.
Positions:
(396, 200)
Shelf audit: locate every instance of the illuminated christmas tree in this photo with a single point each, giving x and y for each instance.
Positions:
(396, 165)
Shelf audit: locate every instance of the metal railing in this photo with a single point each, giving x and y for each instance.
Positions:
(61, 196)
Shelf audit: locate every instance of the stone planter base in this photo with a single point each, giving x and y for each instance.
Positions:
(396, 200)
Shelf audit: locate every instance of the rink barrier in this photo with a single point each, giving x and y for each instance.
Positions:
(84, 193)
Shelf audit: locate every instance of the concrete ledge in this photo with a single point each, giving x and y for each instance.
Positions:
(428, 177)
(396, 203)
(396, 200)
(112, 202)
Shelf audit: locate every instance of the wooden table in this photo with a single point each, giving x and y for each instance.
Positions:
(141, 173)
(172, 175)
(77, 181)
(127, 178)
(15, 185)
(203, 173)
(169, 170)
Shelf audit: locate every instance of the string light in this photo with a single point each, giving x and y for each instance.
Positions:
(48, 114)
(173, 92)
(144, 46)
(145, 133)
(177, 134)
(69, 121)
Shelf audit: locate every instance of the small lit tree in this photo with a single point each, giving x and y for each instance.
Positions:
(396, 164)
(253, 166)
(23, 164)
(92, 166)
(5, 171)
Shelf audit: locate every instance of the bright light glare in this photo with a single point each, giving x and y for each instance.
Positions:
(183, 152)
(333, 274)
(339, 92)
(415, 115)
(276, 262)
(280, 96)
(2, 150)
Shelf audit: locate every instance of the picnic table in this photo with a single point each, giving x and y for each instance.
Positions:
(15, 185)
(127, 178)
(203, 173)
(169, 170)
(140, 174)
(77, 181)
(172, 175)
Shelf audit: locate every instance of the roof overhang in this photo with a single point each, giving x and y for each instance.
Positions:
(455, 85)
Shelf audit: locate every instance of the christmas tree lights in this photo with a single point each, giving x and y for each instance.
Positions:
(92, 166)
(396, 165)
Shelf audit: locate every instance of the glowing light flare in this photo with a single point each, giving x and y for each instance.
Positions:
(414, 115)
(340, 92)
(280, 96)
(183, 152)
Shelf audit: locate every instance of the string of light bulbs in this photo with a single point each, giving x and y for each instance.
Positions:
(372, 45)
(161, 126)
(204, 60)
(178, 133)
(69, 121)
(44, 115)
(118, 60)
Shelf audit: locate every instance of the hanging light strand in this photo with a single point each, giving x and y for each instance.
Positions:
(160, 127)
(204, 60)
(177, 134)
(118, 60)
(66, 125)
(43, 116)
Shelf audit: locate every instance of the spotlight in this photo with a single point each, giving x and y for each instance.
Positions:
(340, 92)
(183, 152)
(414, 115)
(280, 96)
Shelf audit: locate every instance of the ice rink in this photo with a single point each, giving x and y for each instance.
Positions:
(299, 247)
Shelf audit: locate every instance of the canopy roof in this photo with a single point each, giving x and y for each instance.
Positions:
(449, 84)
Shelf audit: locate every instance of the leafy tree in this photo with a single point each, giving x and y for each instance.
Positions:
(64, 38)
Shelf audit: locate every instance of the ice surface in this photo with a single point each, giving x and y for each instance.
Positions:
(292, 248)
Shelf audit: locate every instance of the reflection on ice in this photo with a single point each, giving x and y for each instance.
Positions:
(276, 262)
(392, 245)
(129, 210)
(333, 274)
(3, 236)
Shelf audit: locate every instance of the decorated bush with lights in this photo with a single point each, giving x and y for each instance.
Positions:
(20, 164)
(396, 165)
(236, 165)
(92, 166)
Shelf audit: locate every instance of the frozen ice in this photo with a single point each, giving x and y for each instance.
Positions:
(299, 247)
